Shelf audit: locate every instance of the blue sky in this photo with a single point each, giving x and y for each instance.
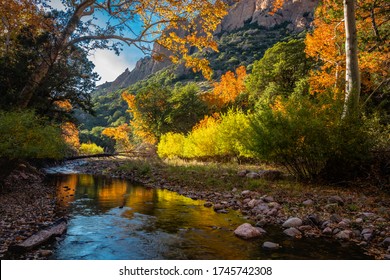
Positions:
(107, 64)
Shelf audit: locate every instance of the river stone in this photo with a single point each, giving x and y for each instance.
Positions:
(308, 202)
(45, 253)
(335, 218)
(247, 231)
(292, 222)
(313, 219)
(268, 198)
(367, 215)
(246, 193)
(272, 212)
(275, 205)
(208, 204)
(292, 232)
(386, 242)
(270, 245)
(343, 225)
(253, 175)
(242, 173)
(327, 231)
(359, 220)
(344, 234)
(305, 228)
(253, 203)
(336, 199)
(367, 234)
(218, 207)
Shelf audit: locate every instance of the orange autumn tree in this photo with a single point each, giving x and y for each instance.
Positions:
(121, 135)
(15, 17)
(326, 45)
(226, 91)
(70, 132)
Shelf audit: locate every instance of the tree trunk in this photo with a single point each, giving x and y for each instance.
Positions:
(43, 69)
(352, 75)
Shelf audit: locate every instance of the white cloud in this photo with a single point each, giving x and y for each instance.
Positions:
(108, 65)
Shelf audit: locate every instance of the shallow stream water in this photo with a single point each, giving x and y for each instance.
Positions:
(113, 219)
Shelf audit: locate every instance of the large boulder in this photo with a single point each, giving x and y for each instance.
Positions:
(247, 231)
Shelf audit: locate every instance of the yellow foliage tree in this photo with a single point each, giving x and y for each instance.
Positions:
(139, 127)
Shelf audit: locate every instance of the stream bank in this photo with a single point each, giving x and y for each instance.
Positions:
(28, 204)
(353, 214)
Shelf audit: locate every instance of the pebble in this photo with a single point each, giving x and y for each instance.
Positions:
(270, 174)
(218, 207)
(367, 234)
(270, 245)
(208, 204)
(268, 199)
(253, 203)
(327, 231)
(274, 204)
(45, 253)
(308, 202)
(292, 232)
(335, 218)
(313, 219)
(367, 215)
(292, 222)
(253, 175)
(386, 241)
(246, 193)
(242, 173)
(345, 234)
(305, 228)
(359, 220)
(336, 199)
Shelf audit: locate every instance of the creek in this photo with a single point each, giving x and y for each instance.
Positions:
(114, 219)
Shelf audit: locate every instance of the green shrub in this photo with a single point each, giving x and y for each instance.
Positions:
(24, 135)
(308, 136)
(232, 129)
(90, 149)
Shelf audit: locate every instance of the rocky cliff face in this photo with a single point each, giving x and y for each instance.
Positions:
(298, 12)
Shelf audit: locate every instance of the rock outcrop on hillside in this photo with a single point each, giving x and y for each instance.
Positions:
(299, 13)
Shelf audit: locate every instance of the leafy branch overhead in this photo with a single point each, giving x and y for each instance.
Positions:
(175, 25)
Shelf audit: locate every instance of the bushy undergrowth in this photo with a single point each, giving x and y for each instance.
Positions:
(90, 149)
(309, 138)
(306, 135)
(216, 136)
(24, 135)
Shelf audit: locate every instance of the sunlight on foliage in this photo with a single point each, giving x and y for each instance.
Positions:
(90, 149)
(25, 135)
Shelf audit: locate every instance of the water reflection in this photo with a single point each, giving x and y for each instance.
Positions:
(113, 219)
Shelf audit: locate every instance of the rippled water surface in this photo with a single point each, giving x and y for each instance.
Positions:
(114, 219)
